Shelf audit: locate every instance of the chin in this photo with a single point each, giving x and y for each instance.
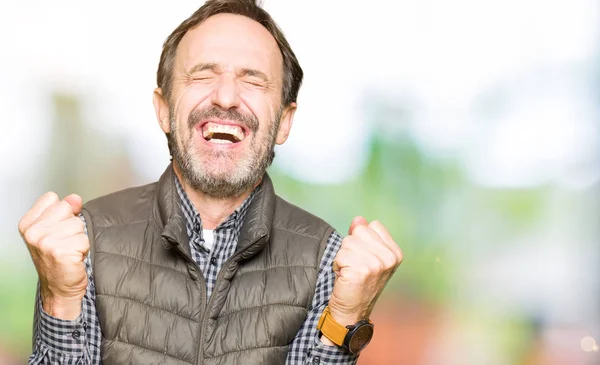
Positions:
(219, 169)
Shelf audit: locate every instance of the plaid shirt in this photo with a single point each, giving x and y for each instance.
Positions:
(57, 341)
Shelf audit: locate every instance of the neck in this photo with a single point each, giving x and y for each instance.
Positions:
(213, 211)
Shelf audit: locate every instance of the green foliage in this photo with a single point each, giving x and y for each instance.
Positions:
(17, 292)
(427, 204)
(404, 190)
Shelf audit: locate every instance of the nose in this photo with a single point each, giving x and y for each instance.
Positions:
(225, 93)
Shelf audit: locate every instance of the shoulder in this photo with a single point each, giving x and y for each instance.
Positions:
(122, 206)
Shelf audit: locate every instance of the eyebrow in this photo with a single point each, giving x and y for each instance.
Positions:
(216, 67)
(254, 73)
(203, 66)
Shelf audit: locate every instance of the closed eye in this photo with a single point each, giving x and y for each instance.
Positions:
(202, 78)
(254, 83)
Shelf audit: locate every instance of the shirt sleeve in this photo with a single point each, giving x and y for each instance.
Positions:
(58, 341)
(307, 347)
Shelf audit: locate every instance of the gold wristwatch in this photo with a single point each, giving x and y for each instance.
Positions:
(354, 338)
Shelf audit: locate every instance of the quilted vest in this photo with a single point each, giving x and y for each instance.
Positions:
(151, 296)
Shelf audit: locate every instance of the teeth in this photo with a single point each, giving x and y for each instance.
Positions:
(213, 128)
(220, 141)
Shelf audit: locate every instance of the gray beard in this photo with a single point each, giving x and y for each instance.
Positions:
(224, 187)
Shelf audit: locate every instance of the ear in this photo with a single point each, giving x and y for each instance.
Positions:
(285, 124)
(161, 107)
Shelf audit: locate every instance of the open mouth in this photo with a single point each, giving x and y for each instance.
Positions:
(222, 133)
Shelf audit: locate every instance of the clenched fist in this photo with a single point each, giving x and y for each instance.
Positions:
(365, 262)
(55, 238)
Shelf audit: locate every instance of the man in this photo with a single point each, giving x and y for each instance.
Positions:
(207, 265)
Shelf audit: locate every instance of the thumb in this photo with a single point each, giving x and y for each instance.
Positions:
(75, 201)
(357, 221)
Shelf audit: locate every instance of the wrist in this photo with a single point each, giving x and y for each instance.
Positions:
(345, 318)
(62, 308)
(353, 337)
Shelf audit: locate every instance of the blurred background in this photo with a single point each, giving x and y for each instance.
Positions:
(470, 128)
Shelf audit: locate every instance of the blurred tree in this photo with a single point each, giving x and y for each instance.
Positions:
(406, 191)
(81, 159)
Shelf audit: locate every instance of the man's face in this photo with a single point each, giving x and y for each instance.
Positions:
(225, 115)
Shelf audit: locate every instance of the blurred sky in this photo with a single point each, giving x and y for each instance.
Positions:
(443, 60)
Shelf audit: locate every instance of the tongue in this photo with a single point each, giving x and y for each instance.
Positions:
(221, 136)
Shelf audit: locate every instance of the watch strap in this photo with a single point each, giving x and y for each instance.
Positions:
(331, 329)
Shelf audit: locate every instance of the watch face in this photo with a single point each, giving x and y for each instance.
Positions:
(361, 338)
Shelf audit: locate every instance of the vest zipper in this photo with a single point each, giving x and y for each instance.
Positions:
(208, 306)
(201, 282)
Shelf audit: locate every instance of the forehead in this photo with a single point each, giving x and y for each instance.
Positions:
(233, 41)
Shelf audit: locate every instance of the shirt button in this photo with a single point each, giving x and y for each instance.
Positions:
(75, 335)
(316, 360)
(84, 326)
(213, 260)
(197, 227)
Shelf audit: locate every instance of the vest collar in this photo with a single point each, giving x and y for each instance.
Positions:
(167, 212)
(254, 232)
(259, 220)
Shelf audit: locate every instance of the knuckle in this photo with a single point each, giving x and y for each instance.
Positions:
(346, 242)
(399, 256)
(51, 196)
(21, 226)
(32, 235)
(84, 242)
(46, 244)
(389, 262)
(361, 230)
(55, 252)
(377, 266)
(340, 254)
(354, 240)
(342, 257)
(79, 240)
(375, 223)
(63, 207)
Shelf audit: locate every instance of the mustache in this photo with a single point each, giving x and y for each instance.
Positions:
(247, 120)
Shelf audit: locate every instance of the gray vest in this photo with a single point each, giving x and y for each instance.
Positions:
(151, 297)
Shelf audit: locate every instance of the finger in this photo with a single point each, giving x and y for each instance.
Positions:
(369, 245)
(55, 213)
(36, 210)
(355, 247)
(339, 261)
(73, 246)
(43, 236)
(366, 234)
(336, 267)
(356, 265)
(64, 229)
(75, 201)
(357, 221)
(81, 243)
(385, 235)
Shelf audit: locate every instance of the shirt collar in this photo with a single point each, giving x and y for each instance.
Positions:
(192, 218)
